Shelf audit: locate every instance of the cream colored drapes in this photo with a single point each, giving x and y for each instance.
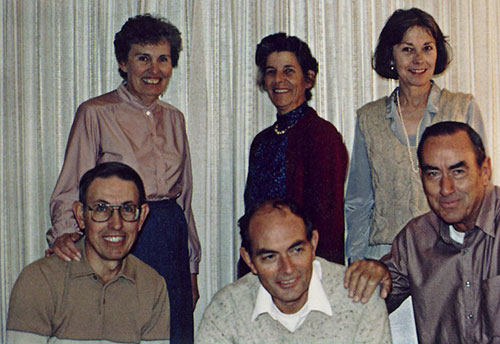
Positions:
(57, 53)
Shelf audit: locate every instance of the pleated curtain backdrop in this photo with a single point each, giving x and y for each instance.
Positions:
(57, 53)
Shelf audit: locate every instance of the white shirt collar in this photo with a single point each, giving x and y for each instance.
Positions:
(316, 301)
(456, 235)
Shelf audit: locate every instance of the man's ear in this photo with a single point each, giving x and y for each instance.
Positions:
(314, 240)
(246, 257)
(143, 215)
(486, 171)
(78, 212)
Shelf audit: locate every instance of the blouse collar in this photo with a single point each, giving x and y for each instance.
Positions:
(290, 118)
(132, 99)
(432, 102)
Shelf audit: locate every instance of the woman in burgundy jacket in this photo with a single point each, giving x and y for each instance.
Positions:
(301, 157)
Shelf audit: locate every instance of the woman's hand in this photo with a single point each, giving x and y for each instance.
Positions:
(64, 247)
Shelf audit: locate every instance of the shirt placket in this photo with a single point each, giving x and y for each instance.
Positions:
(100, 289)
(469, 291)
(150, 114)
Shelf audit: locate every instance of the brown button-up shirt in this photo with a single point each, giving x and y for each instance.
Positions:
(455, 287)
(117, 126)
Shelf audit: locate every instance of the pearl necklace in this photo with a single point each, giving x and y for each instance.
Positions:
(281, 132)
(414, 167)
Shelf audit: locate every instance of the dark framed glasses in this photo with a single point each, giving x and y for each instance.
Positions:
(102, 212)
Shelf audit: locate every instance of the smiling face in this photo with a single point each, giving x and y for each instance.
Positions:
(148, 69)
(453, 182)
(107, 243)
(281, 256)
(284, 81)
(415, 57)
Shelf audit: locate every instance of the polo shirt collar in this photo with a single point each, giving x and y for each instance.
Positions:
(83, 268)
(317, 300)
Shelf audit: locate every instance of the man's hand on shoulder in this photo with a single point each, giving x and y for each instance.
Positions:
(362, 278)
(64, 247)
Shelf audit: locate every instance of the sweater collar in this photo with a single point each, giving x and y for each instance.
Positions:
(317, 300)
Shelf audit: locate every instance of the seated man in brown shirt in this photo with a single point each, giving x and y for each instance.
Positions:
(108, 295)
(448, 259)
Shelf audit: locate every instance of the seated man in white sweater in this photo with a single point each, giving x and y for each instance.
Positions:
(290, 296)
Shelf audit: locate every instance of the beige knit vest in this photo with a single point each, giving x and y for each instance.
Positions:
(398, 192)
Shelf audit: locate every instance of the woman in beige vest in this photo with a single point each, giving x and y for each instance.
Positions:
(384, 190)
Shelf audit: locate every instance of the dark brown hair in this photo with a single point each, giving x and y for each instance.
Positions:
(394, 30)
(449, 128)
(107, 170)
(146, 29)
(281, 42)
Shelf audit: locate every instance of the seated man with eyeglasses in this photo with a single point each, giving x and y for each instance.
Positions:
(108, 295)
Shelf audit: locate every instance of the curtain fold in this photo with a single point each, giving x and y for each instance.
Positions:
(56, 54)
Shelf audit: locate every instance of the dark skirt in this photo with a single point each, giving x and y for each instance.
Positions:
(163, 244)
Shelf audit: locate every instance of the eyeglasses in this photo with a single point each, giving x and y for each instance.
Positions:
(102, 212)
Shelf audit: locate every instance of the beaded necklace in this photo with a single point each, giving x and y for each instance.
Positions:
(414, 167)
(281, 132)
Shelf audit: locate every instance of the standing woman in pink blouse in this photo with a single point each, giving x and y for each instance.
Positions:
(131, 125)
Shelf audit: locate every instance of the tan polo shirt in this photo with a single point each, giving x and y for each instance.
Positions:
(65, 302)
